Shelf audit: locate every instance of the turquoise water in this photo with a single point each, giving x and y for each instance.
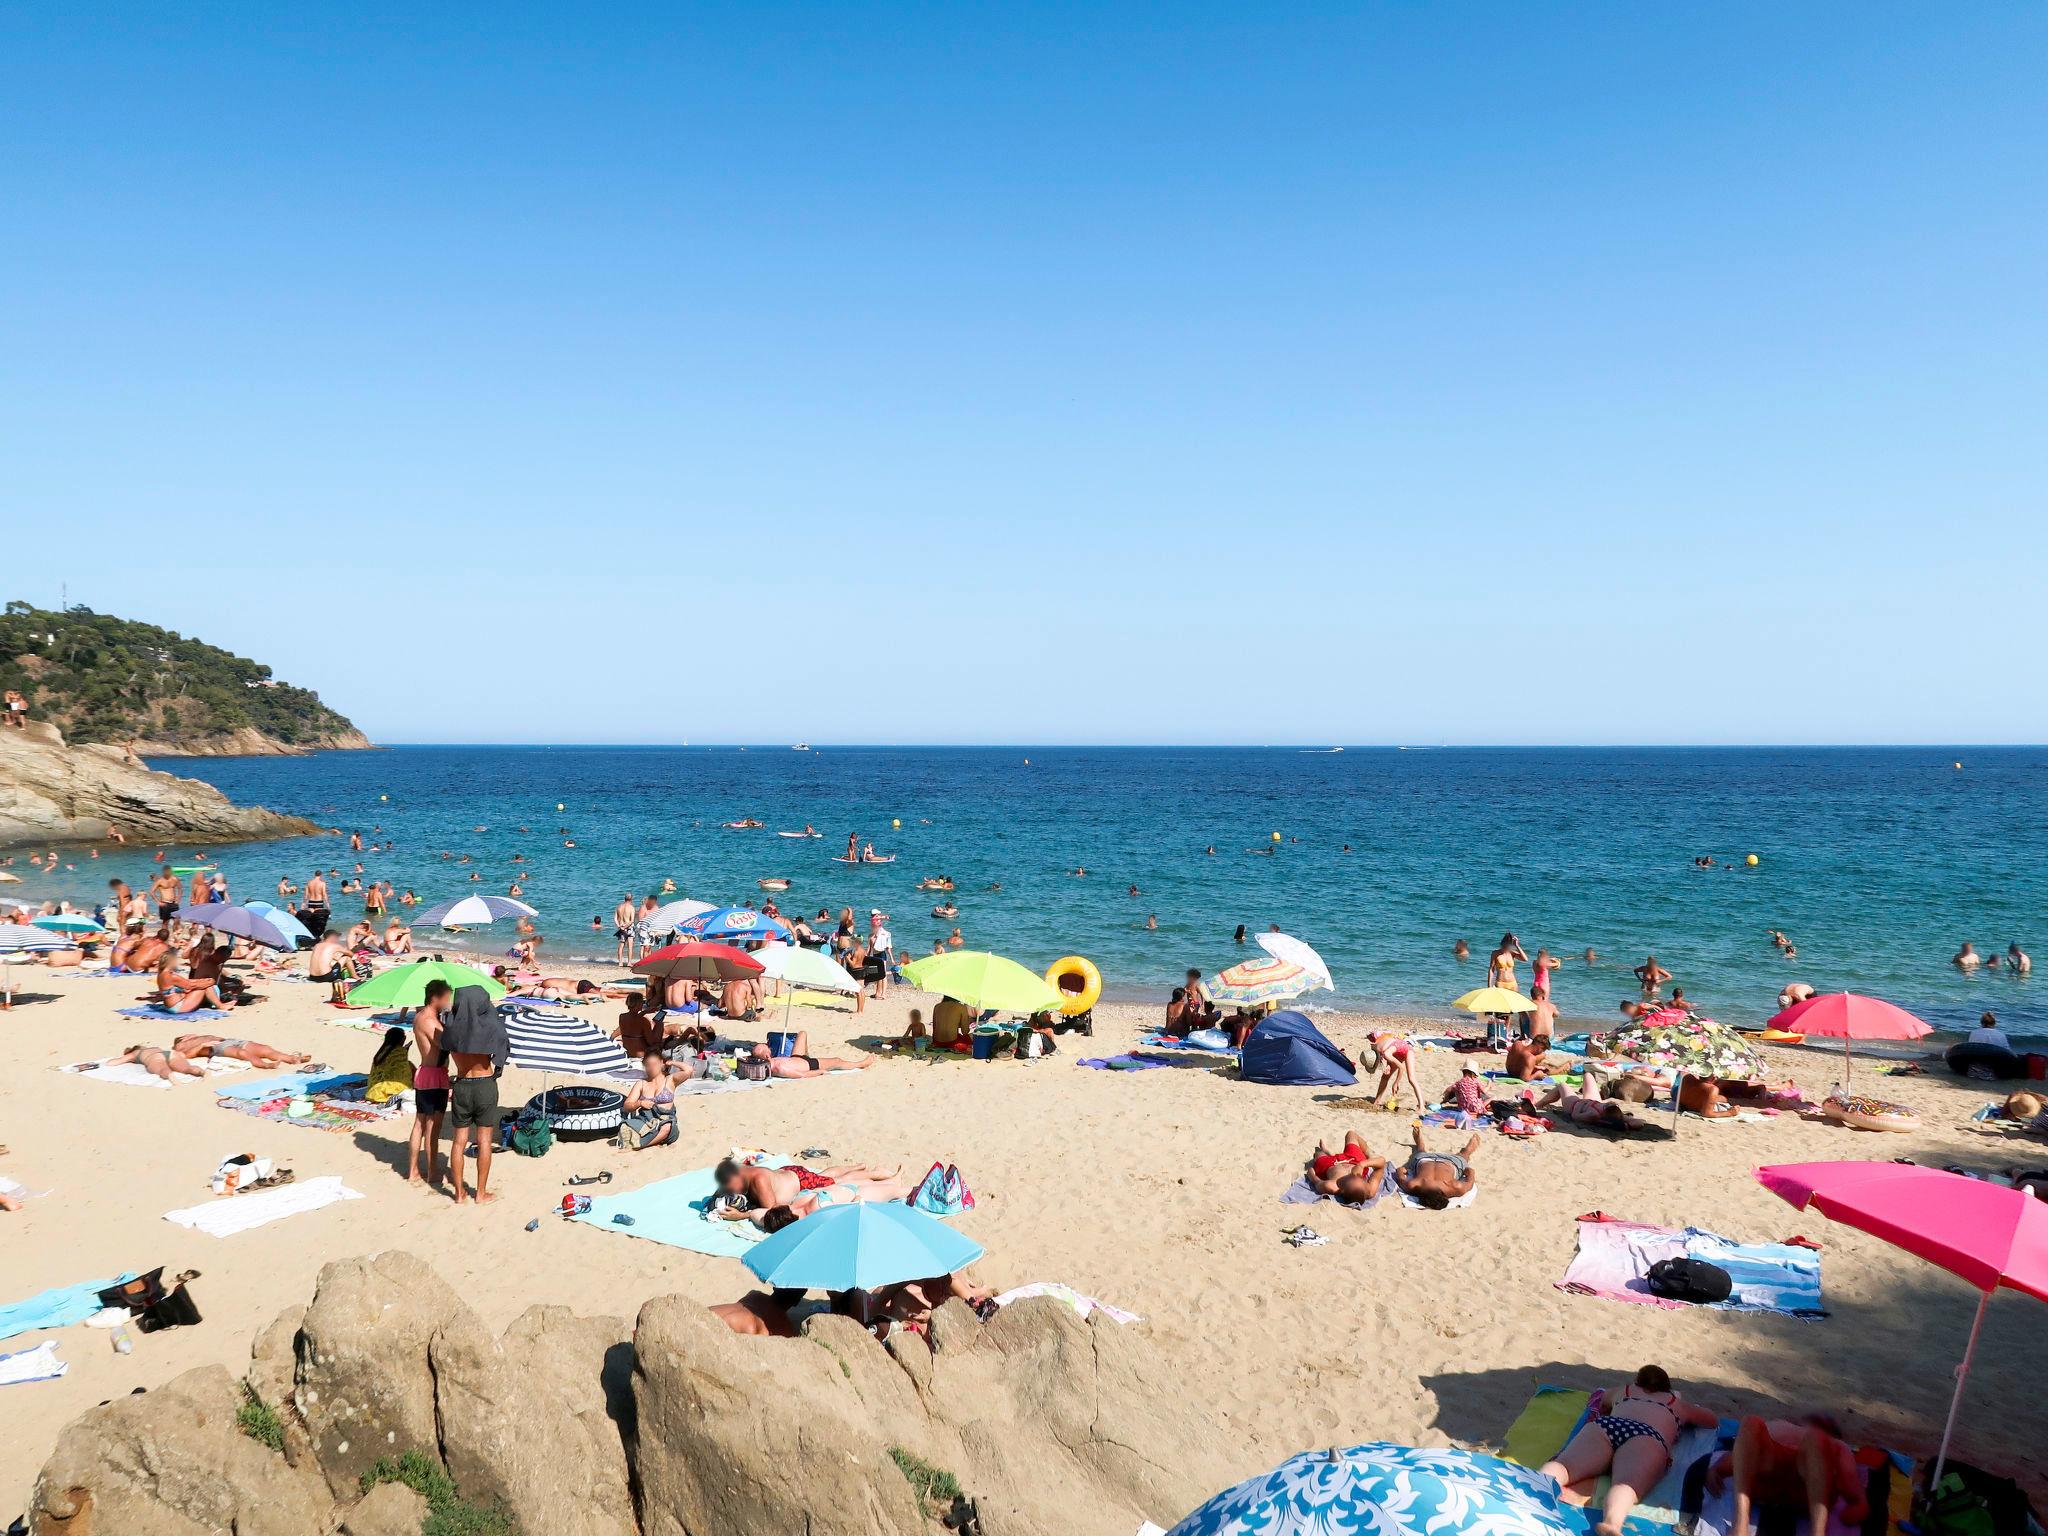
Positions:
(1876, 862)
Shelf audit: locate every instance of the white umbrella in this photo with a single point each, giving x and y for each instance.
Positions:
(1283, 946)
(664, 919)
(797, 967)
(21, 939)
(466, 911)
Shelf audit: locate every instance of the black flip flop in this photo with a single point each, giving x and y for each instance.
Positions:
(590, 1178)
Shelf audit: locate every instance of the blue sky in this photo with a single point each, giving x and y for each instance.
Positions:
(1481, 373)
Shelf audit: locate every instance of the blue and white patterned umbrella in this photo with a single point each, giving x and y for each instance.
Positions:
(21, 939)
(552, 1040)
(1379, 1489)
(467, 911)
(728, 923)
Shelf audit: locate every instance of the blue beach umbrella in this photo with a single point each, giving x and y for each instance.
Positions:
(282, 921)
(68, 922)
(1389, 1490)
(237, 922)
(859, 1247)
(465, 911)
(21, 939)
(729, 923)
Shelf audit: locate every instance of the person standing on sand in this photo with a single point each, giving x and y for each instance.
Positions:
(429, 1085)
(624, 915)
(880, 942)
(474, 1037)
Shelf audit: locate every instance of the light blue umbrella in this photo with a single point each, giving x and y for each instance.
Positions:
(858, 1247)
(68, 922)
(467, 911)
(1389, 1490)
(725, 924)
(283, 921)
(236, 922)
(21, 939)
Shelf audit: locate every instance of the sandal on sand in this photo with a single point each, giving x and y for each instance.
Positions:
(590, 1178)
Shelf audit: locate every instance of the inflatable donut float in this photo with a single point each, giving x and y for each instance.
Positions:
(1863, 1114)
(1077, 982)
(580, 1107)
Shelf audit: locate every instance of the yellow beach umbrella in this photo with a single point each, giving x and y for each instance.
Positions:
(1494, 1000)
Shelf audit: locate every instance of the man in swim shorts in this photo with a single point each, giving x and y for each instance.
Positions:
(1352, 1176)
(1434, 1179)
(765, 1189)
(1803, 1466)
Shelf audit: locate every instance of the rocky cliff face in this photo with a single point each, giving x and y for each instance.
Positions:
(677, 1427)
(250, 742)
(51, 792)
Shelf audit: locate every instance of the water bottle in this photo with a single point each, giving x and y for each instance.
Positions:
(123, 1345)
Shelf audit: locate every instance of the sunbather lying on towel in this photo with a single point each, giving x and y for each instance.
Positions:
(1802, 1466)
(1701, 1096)
(254, 1052)
(785, 1194)
(159, 1061)
(1350, 1177)
(1435, 1179)
(803, 1064)
(1582, 1109)
(1632, 1441)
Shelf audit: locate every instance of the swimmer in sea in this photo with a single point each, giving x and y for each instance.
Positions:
(1591, 956)
(1210, 850)
(1152, 922)
(1651, 975)
(1967, 958)
(1461, 950)
(2021, 963)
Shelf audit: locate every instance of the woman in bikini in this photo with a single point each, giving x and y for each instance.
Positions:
(1395, 1065)
(254, 1052)
(1632, 1442)
(1352, 1176)
(157, 1060)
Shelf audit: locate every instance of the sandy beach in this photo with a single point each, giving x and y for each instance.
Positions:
(1155, 1190)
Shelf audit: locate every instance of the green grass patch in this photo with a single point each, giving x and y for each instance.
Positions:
(448, 1513)
(935, 1485)
(259, 1421)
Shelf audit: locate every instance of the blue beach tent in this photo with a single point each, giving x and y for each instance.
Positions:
(1285, 1048)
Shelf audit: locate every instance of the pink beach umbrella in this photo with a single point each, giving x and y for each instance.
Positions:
(1990, 1234)
(1851, 1017)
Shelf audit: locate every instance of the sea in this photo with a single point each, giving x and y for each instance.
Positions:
(1876, 862)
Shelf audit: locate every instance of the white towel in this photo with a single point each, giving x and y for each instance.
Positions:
(133, 1074)
(1458, 1204)
(38, 1364)
(15, 1187)
(238, 1213)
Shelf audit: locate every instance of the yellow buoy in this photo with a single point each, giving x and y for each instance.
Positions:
(383, 797)
(1959, 767)
(896, 822)
(1750, 861)
(558, 805)
(1276, 837)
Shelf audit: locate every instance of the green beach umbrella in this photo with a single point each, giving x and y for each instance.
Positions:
(405, 986)
(982, 980)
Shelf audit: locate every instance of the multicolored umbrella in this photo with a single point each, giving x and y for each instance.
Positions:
(732, 923)
(859, 1247)
(1685, 1042)
(1991, 1235)
(1284, 946)
(983, 980)
(1388, 1490)
(1270, 980)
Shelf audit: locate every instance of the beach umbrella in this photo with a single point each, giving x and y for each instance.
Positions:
(22, 939)
(284, 922)
(68, 922)
(1282, 946)
(1851, 1017)
(1494, 1000)
(1991, 1235)
(1688, 1044)
(467, 911)
(983, 980)
(190, 869)
(797, 967)
(732, 923)
(1389, 1490)
(860, 1247)
(550, 1040)
(1270, 980)
(698, 962)
(405, 986)
(663, 919)
(236, 922)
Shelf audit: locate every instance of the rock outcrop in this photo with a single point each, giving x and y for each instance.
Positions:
(1048, 1424)
(51, 792)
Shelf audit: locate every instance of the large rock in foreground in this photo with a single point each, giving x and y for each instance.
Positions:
(1046, 1424)
(50, 792)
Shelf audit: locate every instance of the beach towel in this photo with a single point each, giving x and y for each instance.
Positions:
(133, 1074)
(152, 1011)
(58, 1307)
(1073, 1298)
(1124, 1063)
(672, 1212)
(1301, 1192)
(327, 1113)
(38, 1364)
(1554, 1415)
(240, 1213)
(1175, 1043)
(1458, 1204)
(1614, 1259)
(1545, 1425)
(290, 1082)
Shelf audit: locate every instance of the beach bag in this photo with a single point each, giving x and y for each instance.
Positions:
(1693, 1280)
(753, 1070)
(942, 1192)
(154, 1306)
(1972, 1502)
(531, 1135)
(240, 1171)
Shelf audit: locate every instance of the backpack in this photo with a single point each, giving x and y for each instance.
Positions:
(1693, 1280)
(942, 1192)
(530, 1135)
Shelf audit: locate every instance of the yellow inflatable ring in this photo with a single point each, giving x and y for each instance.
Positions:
(1062, 976)
(1868, 1114)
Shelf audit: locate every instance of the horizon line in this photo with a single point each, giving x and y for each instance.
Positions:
(1311, 747)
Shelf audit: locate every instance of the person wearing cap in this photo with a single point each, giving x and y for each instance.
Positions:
(1469, 1093)
(880, 942)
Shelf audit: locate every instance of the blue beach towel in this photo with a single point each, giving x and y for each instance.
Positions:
(1123, 1063)
(1769, 1277)
(58, 1307)
(671, 1211)
(290, 1082)
(152, 1011)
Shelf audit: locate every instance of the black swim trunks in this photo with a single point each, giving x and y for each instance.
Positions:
(430, 1101)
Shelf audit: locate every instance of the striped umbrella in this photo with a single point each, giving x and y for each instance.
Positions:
(552, 1040)
(1270, 980)
(466, 911)
(21, 939)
